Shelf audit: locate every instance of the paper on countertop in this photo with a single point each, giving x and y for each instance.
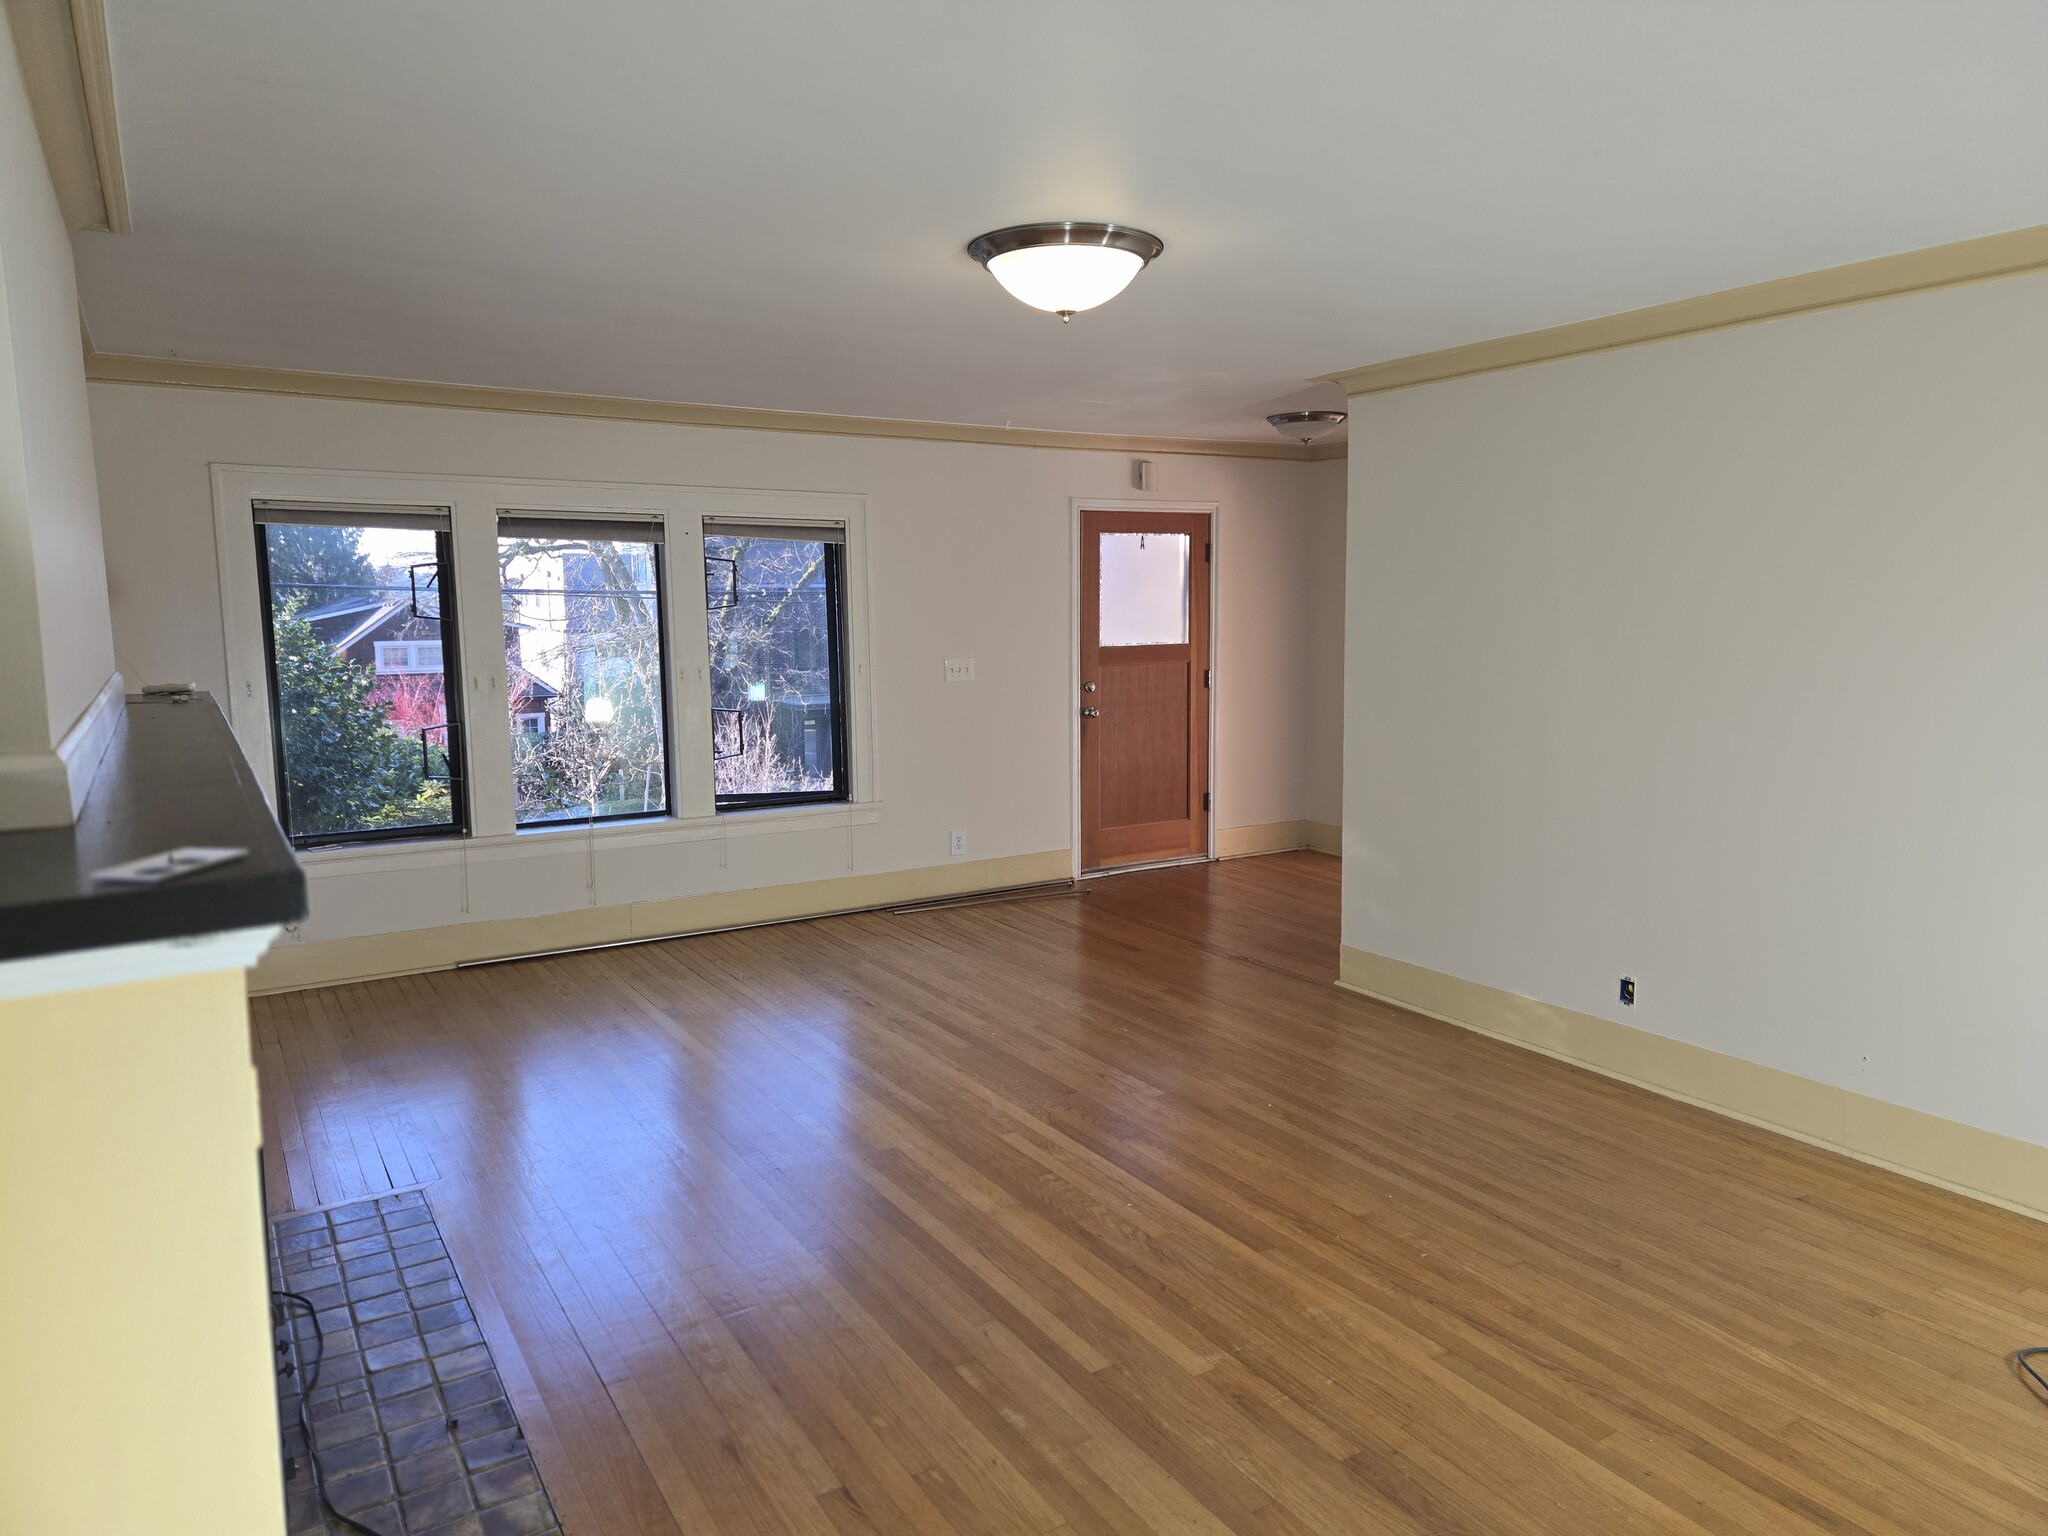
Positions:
(159, 867)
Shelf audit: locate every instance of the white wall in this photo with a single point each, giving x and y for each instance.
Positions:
(53, 597)
(1723, 663)
(969, 556)
(1322, 590)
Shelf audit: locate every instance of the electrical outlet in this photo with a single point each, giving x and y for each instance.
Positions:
(957, 844)
(1628, 991)
(960, 671)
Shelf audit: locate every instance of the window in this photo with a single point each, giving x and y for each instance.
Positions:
(439, 657)
(357, 619)
(775, 595)
(408, 658)
(1144, 593)
(584, 667)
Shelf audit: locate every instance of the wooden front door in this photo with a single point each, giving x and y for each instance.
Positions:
(1144, 687)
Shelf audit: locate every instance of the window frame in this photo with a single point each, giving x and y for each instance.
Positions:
(835, 647)
(664, 664)
(453, 751)
(473, 505)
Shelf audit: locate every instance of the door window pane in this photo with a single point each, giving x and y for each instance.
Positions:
(362, 717)
(777, 695)
(1144, 591)
(584, 674)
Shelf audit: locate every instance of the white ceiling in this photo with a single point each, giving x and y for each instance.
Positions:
(763, 202)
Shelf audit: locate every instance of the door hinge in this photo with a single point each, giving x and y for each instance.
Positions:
(1205, 800)
(1206, 672)
(1208, 552)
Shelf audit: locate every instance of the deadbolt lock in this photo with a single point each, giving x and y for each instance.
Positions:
(1087, 687)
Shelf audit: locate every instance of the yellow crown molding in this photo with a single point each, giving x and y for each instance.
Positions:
(1938, 266)
(96, 76)
(69, 77)
(106, 368)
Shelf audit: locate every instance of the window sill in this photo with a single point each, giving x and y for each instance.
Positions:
(573, 837)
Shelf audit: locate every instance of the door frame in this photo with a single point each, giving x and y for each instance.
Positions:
(1076, 505)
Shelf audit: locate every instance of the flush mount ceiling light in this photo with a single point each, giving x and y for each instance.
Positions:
(1306, 425)
(1067, 267)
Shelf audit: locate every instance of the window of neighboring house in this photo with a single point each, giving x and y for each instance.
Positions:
(775, 600)
(584, 665)
(363, 751)
(407, 658)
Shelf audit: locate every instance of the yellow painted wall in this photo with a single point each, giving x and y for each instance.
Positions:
(136, 1392)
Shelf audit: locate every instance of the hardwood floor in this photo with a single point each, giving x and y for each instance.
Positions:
(1111, 1214)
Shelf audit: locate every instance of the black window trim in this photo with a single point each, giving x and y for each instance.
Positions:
(613, 529)
(456, 751)
(841, 792)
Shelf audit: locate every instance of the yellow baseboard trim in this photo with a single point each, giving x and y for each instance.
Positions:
(1277, 837)
(1982, 1164)
(327, 962)
(1267, 837)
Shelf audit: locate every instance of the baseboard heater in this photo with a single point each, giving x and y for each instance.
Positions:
(1042, 891)
(939, 903)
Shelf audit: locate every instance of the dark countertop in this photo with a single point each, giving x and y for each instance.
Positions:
(173, 776)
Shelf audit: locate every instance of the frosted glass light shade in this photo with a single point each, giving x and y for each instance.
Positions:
(1307, 425)
(1065, 279)
(1065, 268)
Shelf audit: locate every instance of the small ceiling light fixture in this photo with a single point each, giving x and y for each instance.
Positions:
(1067, 267)
(1306, 425)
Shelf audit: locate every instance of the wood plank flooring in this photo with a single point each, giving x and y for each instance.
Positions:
(1111, 1214)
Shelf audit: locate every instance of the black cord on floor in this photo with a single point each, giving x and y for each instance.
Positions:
(2023, 1358)
(308, 1380)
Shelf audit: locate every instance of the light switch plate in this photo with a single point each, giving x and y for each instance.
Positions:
(960, 671)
